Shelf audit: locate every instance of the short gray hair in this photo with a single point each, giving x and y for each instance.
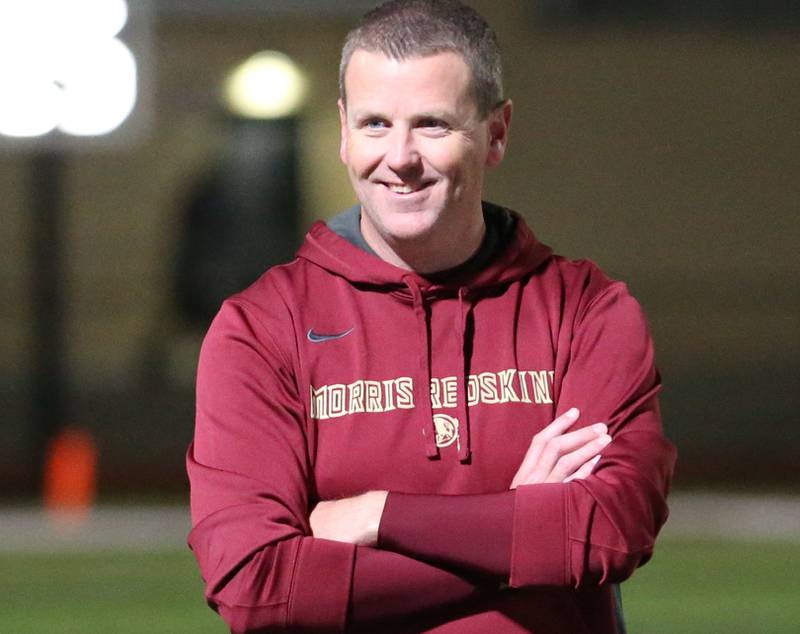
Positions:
(403, 29)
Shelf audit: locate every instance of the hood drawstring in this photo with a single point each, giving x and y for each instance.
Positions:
(462, 411)
(422, 388)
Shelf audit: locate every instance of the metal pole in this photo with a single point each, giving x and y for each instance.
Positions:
(49, 389)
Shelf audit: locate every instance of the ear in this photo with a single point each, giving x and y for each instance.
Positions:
(343, 131)
(499, 128)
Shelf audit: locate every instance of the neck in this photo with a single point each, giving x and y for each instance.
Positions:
(434, 252)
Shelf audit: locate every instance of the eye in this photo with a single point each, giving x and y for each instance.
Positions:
(373, 123)
(433, 127)
(431, 122)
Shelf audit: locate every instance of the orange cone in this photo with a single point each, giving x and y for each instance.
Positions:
(70, 472)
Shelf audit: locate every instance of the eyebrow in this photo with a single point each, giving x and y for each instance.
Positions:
(361, 115)
(436, 114)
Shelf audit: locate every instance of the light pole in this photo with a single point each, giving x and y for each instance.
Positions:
(69, 81)
(245, 217)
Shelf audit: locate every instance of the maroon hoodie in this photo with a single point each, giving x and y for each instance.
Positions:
(339, 373)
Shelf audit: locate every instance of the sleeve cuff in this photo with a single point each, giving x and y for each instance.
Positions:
(319, 602)
(539, 544)
(458, 532)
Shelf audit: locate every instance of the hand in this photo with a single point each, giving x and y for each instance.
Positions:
(352, 520)
(556, 455)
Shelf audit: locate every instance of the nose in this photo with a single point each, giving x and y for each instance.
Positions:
(402, 154)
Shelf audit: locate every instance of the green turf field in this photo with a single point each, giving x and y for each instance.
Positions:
(689, 587)
(711, 587)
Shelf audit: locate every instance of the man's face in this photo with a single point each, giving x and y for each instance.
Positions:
(415, 146)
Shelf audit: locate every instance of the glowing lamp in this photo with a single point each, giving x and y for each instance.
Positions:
(268, 85)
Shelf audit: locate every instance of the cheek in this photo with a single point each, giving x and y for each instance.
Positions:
(363, 155)
(451, 160)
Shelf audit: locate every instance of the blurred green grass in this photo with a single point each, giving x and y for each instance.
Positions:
(691, 586)
(707, 586)
(88, 593)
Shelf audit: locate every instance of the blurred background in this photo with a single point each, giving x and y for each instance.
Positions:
(147, 171)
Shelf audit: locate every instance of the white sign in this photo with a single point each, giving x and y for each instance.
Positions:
(63, 66)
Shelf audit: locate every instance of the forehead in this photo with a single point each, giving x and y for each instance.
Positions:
(441, 80)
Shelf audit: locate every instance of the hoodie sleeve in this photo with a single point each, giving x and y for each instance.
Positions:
(590, 531)
(600, 529)
(249, 473)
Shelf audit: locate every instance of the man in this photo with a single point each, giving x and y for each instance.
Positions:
(426, 421)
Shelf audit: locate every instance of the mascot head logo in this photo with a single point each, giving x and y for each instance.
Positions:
(446, 429)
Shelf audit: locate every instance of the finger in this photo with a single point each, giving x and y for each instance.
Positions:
(574, 440)
(570, 462)
(584, 471)
(559, 425)
(557, 448)
(553, 430)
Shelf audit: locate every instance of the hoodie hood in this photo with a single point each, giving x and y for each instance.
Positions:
(516, 255)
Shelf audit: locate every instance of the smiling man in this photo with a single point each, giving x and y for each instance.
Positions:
(417, 163)
(427, 421)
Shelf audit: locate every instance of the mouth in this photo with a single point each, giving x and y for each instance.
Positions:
(405, 189)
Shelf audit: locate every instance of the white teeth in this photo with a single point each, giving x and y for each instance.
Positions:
(401, 189)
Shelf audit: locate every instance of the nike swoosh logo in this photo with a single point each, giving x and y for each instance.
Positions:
(315, 337)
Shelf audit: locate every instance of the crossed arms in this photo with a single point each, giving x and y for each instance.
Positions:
(567, 521)
(554, 455)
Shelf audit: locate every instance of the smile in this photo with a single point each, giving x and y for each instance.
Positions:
(404, 188)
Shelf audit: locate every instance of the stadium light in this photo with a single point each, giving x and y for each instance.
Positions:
(63, 67)
(267, 85)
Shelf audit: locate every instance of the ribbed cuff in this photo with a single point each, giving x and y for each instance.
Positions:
(539, 542)
(321, 585)
(465, 532)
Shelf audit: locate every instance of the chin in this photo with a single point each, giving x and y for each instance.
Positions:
(407, 225)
